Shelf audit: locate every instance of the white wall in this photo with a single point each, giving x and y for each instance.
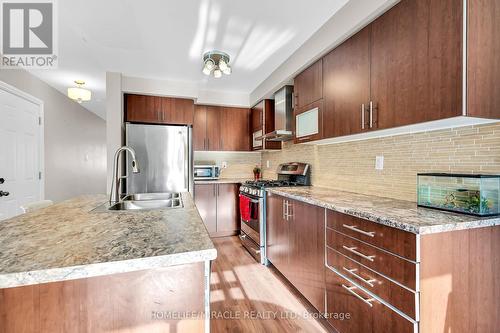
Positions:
(346, 22)
(75, 140)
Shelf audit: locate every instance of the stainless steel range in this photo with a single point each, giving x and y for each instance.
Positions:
(253, 205)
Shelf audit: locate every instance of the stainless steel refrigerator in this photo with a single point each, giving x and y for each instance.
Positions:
(165, 157)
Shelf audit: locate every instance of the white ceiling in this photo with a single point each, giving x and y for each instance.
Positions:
(165, 39)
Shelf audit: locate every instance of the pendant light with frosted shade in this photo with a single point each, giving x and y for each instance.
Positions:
(79, 93)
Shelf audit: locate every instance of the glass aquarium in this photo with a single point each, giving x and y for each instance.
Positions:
(475, 194)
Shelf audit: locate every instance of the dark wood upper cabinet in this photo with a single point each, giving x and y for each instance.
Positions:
(213, 128)
(308, 85)
(346, 86)
(200, 128)
(235, 129)
(218, 128)
(416, 63)
(158, 110)
(483, 59)
(262, 115)
(257, 120)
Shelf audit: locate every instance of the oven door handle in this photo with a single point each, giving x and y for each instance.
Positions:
(255, 201)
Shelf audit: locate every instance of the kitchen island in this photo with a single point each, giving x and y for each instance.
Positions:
(71, 268)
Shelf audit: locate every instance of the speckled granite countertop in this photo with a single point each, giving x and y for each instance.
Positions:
(404, 215)
(223, 181)
(69, 241)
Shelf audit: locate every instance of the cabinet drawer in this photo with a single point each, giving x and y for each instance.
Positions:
(401, 298)
(393, 240)
(396, 268)
(351, 310)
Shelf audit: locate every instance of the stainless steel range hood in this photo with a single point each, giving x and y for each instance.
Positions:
(283, 116)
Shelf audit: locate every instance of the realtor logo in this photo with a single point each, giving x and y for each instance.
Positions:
(28, 34)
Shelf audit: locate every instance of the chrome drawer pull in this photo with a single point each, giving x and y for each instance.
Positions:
(353, 250)
(353, 273)
(353, 228)
(366, 301)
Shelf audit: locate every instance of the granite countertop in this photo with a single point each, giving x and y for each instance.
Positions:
(69, 241)
(223, 181)
(404, 215)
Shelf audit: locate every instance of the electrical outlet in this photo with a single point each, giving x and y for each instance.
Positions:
(379, 163)
(224, 165)
(268, 164)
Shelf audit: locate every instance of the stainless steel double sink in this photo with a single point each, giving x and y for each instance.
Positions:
(146, 201)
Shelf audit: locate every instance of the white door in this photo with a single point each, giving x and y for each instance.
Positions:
(20, 153)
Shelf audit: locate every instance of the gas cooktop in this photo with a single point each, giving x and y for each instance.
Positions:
(271, 183)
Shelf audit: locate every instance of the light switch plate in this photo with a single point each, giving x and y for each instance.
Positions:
(379, 163)
(224, 165)
(268, 164)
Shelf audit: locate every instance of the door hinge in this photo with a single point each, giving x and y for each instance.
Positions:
(39, 175)
(39, 120)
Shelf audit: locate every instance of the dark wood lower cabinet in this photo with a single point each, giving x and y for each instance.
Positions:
(307, 245)
(277, 234)
(350, 310)
(295, 245)
(136, 302)
(218, 208)
(228, 212)
(205, 199)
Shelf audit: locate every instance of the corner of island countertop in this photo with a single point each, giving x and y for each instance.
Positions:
(70, 240)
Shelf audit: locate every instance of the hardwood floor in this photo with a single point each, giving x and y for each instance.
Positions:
(249, 297)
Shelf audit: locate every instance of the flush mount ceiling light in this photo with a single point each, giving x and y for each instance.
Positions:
(79, 93)
(216, 63)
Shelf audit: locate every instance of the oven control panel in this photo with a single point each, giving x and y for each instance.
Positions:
(252, 191)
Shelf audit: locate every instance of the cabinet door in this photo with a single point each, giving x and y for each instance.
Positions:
(143, 109)
(308, 122)
(308, 85)
(416, 62)
(346, 86)
(235, 129)
(307, 249)
(200, 128)
(205, 198)
(277, 234)
(228, 216)
(177, 111)
(483, 66)
(257, 116)
(213, 127)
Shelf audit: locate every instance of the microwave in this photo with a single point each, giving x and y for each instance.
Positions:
(206, 172)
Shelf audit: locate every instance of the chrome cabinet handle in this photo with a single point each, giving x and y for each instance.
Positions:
(205, 143)
(353, 250)
(353, 271)
(371, 114)
(351, 290)
(363, 116)
(353, 228)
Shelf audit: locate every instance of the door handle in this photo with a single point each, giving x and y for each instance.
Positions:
(4, 194)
